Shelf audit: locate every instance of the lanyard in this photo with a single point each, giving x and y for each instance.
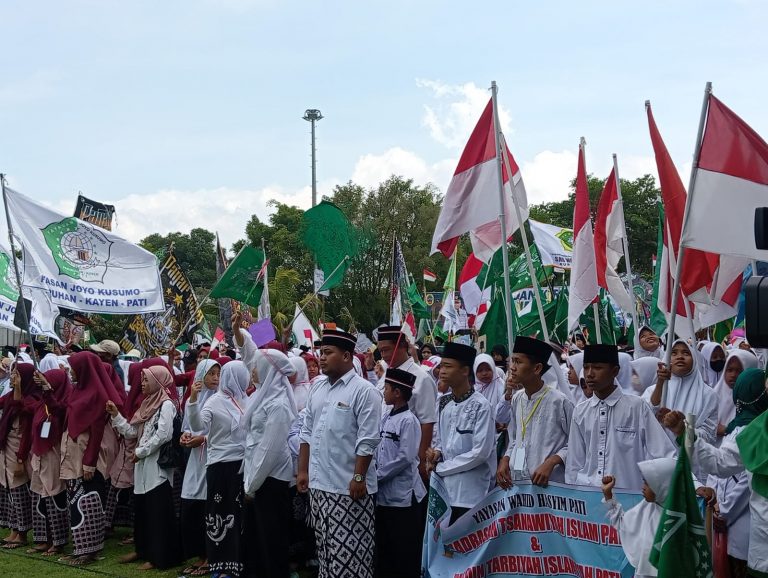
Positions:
(528, 419)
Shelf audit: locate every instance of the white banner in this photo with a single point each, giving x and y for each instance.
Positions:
(303, 332)
(555, 244)
(81, 266)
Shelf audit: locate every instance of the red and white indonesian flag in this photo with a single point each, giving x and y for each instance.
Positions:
(609, 239)
(731, 181)
(429, 276)
(471, 203)
(583, 288)
(475, 299)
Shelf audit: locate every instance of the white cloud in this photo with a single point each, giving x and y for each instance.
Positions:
(548, 176)
(372, 169)
(452, 117)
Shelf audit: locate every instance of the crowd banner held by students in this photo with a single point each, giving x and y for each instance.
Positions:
(81, 266)
(152, 333)
(94, 212)
(527, 531)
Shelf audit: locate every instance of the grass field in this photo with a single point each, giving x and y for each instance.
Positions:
(19, 564)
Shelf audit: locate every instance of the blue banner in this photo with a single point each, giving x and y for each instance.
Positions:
(526, 531)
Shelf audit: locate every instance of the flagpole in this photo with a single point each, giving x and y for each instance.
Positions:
(502, 217)
(596, 312)
(301, 309)
(679, 264)
(689, 315)
(526, 246)
(625, 243)
(18, 275)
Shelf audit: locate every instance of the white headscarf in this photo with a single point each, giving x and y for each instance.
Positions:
(726, 410)
(658, 353)
(358, 366)
(576, 361)
(711, 377)
(493, 390)
(638, 526)
(301, 384)
(688, 393)
(50, 361)
(273, 368)
(646, 369)
(205, 394)
(231, 397)
(624, 378)
(555, 378)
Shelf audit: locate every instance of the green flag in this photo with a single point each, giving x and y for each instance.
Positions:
(450, 277)
(559, 329)
(658, 320)
(243, 280)
(419, 307)
(332, 239)
(519, 278)
(680, 548)
(495, 323)
(607, 327)
(529, 323)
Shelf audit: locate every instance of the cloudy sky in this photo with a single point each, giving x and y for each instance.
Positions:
(188, 113)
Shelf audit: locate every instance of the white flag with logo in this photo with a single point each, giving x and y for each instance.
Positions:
(82, 266)
(555, 244)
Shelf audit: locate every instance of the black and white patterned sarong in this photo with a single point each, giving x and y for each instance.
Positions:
(224, 518)
(345, 534)
(20, 508)
(86, 515)
(5, 508)
(50, 519)
(119, 508)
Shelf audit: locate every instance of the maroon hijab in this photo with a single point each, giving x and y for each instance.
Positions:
(89, 395)
(30, 394)
(52, 408)
(117, 383)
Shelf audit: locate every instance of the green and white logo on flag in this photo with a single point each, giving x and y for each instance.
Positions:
(9, 288)
(80, 250)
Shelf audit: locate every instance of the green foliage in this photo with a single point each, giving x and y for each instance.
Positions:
(195, 252)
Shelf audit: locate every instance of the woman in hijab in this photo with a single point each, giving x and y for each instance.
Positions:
(49, 510)
(221, 416)
(624, 379)
(713, 362)
(487, 380)
(300, 382)
(15, 443)
(743, 448)
(644, 373)
(650, 345)
(268, 466)
(194, 489)
(83, 463)
(313, 367)
(737, 362)
(155, 527)
(687, 393)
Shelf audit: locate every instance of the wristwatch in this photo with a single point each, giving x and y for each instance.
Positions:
(359, 478)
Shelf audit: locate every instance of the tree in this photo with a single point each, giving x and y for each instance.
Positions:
(640, 214)
(195, 252)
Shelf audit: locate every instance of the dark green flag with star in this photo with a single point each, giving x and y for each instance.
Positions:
(680, 548)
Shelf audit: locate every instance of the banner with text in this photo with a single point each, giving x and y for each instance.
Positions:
(526, 531)
(94, 212)
(81, 266)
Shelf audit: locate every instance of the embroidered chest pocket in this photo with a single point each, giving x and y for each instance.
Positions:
(467, 419)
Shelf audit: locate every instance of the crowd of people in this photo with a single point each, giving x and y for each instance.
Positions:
(247, 461)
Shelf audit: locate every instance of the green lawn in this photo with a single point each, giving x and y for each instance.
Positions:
(19, 564)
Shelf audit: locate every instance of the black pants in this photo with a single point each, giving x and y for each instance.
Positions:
(267, 530)
(193, 528)
(399, 538)
(156, 532)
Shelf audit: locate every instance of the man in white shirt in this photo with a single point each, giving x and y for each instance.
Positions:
(393, 346)
(338, 440)
(464, 455)
(611, 432)
(539, 420)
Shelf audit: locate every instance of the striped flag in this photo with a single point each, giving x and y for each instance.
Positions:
(429, 275)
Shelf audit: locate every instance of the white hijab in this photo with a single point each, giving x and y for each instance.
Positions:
(726, 410)
(50, 361)
(638, 526)
(688, 393)
(231, 397)
(273, 368)
(711, 377)
(657, 353)
(301, 384)
(491, 391)
(624, 378)
(205, 394)
(646, 369)
(555, 378)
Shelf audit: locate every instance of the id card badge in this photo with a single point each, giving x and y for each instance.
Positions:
(45, 430)
(519, 463)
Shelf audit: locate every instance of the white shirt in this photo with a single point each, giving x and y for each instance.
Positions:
(194, 486)
(422, 402)
(467, 441)
(397, 460)
(158, 430)
(609, 437)
(222, 447)
(637, 529)
(547, 417)
(726, 461)
(341, 423)
(733, 500)
(266, 445)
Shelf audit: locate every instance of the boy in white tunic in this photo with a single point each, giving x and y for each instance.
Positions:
(398, 523)
(539, 420)
(611, 431)
(464, 455)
